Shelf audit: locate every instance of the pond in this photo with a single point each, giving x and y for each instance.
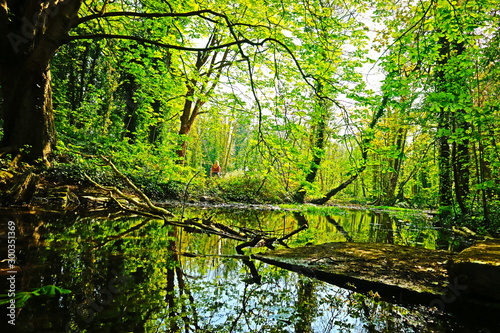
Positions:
(131, 274)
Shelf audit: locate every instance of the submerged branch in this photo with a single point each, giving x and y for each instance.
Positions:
(140, 204)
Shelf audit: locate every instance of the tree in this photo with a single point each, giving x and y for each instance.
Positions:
(388, 156)
(364, 148)
(441, 52)
(319, 139)
(200, 86)
(30, 33)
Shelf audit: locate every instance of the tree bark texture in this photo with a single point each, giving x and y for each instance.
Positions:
(318, 151)
(30, 34)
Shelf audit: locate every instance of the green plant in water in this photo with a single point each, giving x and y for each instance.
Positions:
(22, 297)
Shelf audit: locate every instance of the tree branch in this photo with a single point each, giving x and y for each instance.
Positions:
(149, 15)
(207, 226)
(160, 44)
(155, 209)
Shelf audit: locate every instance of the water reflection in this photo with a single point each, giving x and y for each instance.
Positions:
(135, 275)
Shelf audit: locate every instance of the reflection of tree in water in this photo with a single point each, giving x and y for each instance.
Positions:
(386, 228)
(340, 228)
(174, 270)
(65, 256)
(29, 256)
(305, 306)
(154, 288)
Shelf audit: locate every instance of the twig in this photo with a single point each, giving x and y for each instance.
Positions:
(184, 196)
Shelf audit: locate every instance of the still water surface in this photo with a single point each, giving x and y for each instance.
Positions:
(131, 274)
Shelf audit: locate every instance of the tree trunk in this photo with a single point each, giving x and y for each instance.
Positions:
(318, 151)
(333, 192)
(445, 168)
(396, 163)
(28, 118)
(364, 155)
(190, 111)
(461, 173)
(156, 128)
(444, 127)
(30, 34)
(131, 118)
(483, 172)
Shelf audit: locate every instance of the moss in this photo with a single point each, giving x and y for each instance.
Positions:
(5, 177)
(413, 269)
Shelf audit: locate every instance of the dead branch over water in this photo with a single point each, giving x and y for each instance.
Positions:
(139, 203)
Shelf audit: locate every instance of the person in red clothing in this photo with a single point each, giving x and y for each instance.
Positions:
(215, 170)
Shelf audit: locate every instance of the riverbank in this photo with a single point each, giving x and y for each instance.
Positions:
(72, 187)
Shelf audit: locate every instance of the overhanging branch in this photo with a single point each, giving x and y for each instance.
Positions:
(160, 44)
(200, 13)
(149, 15)
(182, 48)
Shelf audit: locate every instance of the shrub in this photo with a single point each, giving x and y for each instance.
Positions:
(248, 188)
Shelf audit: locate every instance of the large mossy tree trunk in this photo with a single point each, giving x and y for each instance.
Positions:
(28, 119)
(451, 162)
(318, 149)
(30, 34)
(365, 142)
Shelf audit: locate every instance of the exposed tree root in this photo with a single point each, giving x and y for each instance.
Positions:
(17, 180)
(139, 203)
(21, 188)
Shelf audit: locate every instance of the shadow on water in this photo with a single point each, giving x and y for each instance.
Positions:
(134, 275)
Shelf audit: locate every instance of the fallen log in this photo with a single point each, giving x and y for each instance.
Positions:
(139, 203)
(462, 283)
(397, 273)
